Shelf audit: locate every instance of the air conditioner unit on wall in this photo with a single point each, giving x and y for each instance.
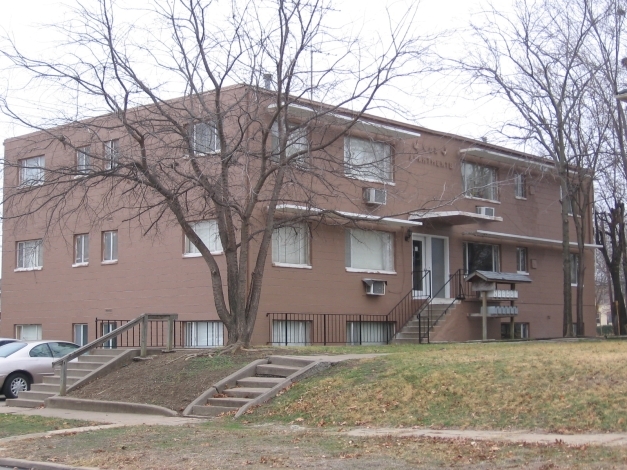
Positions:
(375, 196)
(484, 210)
(374, 286)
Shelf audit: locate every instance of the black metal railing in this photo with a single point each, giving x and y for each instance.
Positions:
(186, 334)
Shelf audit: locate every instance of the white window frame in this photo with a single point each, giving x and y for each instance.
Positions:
(522, 260)
(208, 232)
(111, 154)
(213, 338)
(357, 241)
(32, 171)
(109, 247)
(291, 333)
(373, 166)
(291, 246)
(29, 255)
(35, 333)
(297, 141)
(81, 333)
(81, 250)
(523, 327)
(212, 140)
(569, 202)
(496, 256)
(475, 190)
(520, 186)
(574, 269)
(83, 160)
(368, 333)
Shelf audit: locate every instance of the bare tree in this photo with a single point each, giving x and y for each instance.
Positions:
(535, 60)
(247, 137)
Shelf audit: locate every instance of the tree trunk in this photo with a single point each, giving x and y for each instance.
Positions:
(567, 329)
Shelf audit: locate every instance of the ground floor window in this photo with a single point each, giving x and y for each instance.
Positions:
(28, 332)
(291, 333)
(481, 257)
(80, 334)
(106, 328)
(368, 332)
(204, 334)
(521, 330)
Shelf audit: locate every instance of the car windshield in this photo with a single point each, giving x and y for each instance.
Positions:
(8, 349)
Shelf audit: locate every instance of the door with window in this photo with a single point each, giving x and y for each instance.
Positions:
(430, 253)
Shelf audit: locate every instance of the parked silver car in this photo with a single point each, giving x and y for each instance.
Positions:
(4, 341)
(23, 363)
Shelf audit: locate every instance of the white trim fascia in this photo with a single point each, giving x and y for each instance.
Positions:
(361, 217)
(504, 158)
(290, 265)
(440, 214)
(523, 238)
(112, 261)
(21, 270)
(361, 124)
(369, 271)
(80, 265)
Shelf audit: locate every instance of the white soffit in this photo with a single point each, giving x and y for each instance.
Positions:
(504, 158)
(302, 210)
(370, 127)
(523, 238)
(454, 217)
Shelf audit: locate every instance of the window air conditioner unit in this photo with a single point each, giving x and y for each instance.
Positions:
(375, 286)
(375, 196)
(489, 211)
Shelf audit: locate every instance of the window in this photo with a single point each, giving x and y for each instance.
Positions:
(207, 230)
(521, 260)
(110, 246)
(574, 269)
(81, 249)
(111, 154)
(205, 138)
(202, 334)
(60, 349)
(368, 332)
(29, 254)
(520, 186)
(367, 160)
(28, 332)
(479, 181)
(32, 171)
(107, 327)
(296, 142)
(83, 160)
(81, 334)
(481, 257)
(291, 333)
(567, 201)
(521, 330)
(369, 250)
(41, 350)
(290, 245)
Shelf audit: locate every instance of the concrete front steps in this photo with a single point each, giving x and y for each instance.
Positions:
(86, 367)
(252, 385)
(414, 329)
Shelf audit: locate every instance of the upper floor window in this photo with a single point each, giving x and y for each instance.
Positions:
(521, 260)
(30, 254)
(205, 138)
(81, 249)
(290, 245)
(83, 160)
(481, 257)
(207, 231)
(574, 269)
(520, 186)
(110, 246)
(111, 154)
(369, 250)
(367, 160)
(567, 201)
(479, 181)
(32, 171)
(297, 143)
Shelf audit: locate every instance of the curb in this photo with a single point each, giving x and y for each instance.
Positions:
(107, 406)
(27, 464)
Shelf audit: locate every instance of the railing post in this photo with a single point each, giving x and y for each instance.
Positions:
(360, 330)
(144, 336)
(419, 328)
(63, 379)
(324, 323)
(286, 329)
(171, 333)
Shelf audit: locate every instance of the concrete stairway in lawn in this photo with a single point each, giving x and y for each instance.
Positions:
(252, 385)
(76, 372)
(414, 329)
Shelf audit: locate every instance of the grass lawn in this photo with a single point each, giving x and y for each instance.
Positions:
(565, 387)
(14, 425)
(228, 446)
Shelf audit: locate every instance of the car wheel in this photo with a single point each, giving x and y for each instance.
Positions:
(14, 384)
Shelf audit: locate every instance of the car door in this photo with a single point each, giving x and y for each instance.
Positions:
(40, 362)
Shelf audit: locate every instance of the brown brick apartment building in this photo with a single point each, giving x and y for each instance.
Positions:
(413, 211)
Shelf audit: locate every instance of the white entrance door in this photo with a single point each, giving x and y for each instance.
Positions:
(430, 254)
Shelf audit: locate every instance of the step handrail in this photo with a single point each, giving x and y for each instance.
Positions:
(407, 307)
(143, 319)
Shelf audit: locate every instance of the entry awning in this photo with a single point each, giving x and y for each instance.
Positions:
(506, 158)
(524, 239)
(453, 217)
(345, 216)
